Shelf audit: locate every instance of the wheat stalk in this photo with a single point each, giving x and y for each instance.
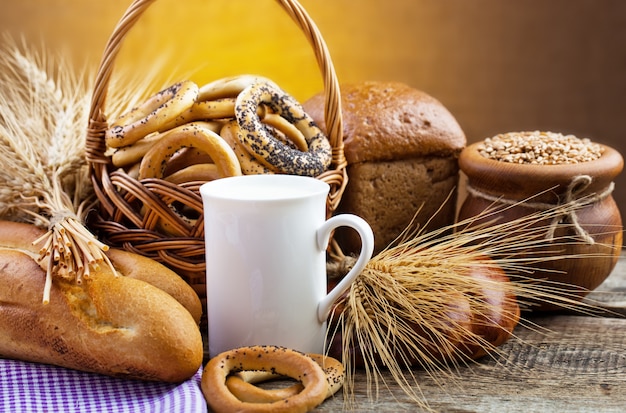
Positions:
(44, 179)
(43, 118)
(411, 282)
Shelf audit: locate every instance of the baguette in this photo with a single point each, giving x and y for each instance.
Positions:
(114, 325)
(145, 269)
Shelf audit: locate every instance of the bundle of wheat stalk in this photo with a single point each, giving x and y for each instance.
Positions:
(437, 300)
(44, 178)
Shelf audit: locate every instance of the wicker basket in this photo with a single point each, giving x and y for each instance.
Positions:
(119, 220)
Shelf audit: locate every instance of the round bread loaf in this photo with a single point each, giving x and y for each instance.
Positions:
(401, 146)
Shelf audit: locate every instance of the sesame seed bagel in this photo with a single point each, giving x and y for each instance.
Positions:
(242, 384)
(151, 116)
(270, 151)
(280, 360)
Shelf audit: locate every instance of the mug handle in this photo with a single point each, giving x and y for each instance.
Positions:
(367, 249)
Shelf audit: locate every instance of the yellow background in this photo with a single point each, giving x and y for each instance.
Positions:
(497, 65)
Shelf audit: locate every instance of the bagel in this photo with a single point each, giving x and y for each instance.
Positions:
(281, 360)
(229, 87)
(241, 384)
(204, 110)
(152, 115)
(248, 163)
(194, 135)
(270, 151)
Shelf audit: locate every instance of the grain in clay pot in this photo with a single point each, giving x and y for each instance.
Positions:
(545, 170)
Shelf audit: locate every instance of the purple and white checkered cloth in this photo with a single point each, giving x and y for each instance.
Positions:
(34, 388)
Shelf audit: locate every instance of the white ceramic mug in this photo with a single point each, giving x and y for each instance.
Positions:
(266, 239)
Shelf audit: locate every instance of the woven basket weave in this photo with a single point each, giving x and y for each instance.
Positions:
(119, 220)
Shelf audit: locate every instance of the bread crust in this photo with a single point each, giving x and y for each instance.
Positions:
(402, 147)
(390, 194)
(145, 269)
(385, 121)
(113, 325)
(20, 236)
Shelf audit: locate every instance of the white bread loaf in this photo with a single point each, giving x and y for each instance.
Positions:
(401, 146)
(145, 269)
(113, 325)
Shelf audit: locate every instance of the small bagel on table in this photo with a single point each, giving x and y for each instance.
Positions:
(273, 359)
(242, 384)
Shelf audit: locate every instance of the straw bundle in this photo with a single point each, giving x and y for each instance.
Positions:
(45, 178)
(440, 299)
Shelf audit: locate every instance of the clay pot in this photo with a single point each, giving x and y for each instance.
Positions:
(492, 183)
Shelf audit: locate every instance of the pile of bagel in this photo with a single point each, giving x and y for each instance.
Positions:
(186, 134)
(233, 126)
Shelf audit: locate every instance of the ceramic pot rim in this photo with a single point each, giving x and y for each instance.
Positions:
(502, 177)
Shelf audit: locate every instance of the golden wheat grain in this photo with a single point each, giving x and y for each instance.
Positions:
(410, 283)
(44, 179)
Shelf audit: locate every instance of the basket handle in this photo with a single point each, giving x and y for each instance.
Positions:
(337, 178)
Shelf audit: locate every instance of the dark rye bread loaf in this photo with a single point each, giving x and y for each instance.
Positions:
(402, 147)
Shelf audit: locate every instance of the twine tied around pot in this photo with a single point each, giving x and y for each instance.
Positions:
(565, 208)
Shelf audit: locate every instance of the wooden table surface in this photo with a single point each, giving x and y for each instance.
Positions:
(554, 363)
(572, 363)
